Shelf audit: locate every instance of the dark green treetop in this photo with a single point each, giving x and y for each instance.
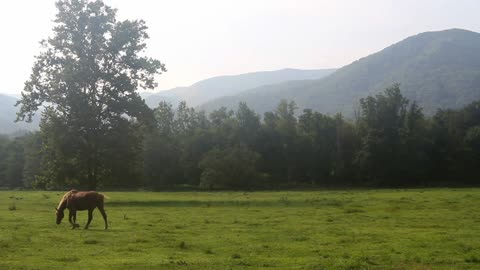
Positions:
(87, 75)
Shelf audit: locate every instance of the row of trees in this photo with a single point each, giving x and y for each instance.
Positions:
(391, 143)
(96, 131)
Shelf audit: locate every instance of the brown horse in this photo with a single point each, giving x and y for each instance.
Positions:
(79, 201)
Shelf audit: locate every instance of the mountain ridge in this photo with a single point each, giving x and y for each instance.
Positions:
(227, 85)
(437, 69)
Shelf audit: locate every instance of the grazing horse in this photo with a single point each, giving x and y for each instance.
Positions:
(79, 201)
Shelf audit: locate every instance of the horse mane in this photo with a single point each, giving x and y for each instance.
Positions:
(65, 197)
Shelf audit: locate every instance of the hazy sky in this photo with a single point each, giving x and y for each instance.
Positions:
(201, 39)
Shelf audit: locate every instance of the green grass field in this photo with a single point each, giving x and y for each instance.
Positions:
(379, 229)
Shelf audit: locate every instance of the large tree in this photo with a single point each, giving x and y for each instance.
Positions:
(392, 139)
(87, 76)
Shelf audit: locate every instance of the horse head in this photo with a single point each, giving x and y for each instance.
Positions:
(60, 215)
(62, 205)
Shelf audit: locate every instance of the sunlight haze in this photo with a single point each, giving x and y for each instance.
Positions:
(274, 134)
(201, 39)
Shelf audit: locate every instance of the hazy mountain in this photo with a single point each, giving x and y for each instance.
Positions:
(437, 69)
(216, 87)
(8, 114)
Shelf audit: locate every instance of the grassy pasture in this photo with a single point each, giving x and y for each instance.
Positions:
(377, 229)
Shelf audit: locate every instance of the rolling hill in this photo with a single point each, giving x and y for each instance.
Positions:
(216, 87)
(194, 95)
(436, 69)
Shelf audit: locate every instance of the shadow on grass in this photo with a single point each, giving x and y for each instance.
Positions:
(67, 259)
(195, 203)
(109, 230)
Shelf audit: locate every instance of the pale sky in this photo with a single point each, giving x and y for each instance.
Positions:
(201, 39)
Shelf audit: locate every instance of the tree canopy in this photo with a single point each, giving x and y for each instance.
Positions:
(390, 144)
(87, 77)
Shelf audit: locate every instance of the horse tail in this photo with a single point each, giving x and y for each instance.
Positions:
(104, 196)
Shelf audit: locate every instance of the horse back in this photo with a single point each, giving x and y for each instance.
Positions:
(83, 200)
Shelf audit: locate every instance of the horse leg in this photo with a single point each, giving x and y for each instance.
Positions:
(75, 219)
(71, 215)
(104, 215)
(90, 216)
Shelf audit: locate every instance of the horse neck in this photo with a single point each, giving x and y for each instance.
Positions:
(62, 205)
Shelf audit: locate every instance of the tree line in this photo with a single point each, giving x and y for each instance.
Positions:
(97, 132)
(390, 143)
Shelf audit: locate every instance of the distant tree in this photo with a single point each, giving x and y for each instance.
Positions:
(87, 76)
(122, 157)
(232, 167)
(416, 144)
(193, 149)
(472, 141)
(4, 141)
(33, 158)
(248, 124)
(472, 114)
(162, 151)
(14, 162)
(162, 164)
(194, 139)
(164, 119)
(185, 121)
(454, 154)
(389, 130)
(278, 143)
(221, 117)
(320, 152)
(223, 126)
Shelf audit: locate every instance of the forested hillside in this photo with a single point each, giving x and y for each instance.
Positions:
(209, 89)
(391, 144)
(436, 69)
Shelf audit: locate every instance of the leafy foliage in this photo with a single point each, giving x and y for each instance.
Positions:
(391, 143)
(96, 130)
(87, 76)
(233, 167)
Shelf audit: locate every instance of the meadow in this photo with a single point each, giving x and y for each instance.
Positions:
(362, 229)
